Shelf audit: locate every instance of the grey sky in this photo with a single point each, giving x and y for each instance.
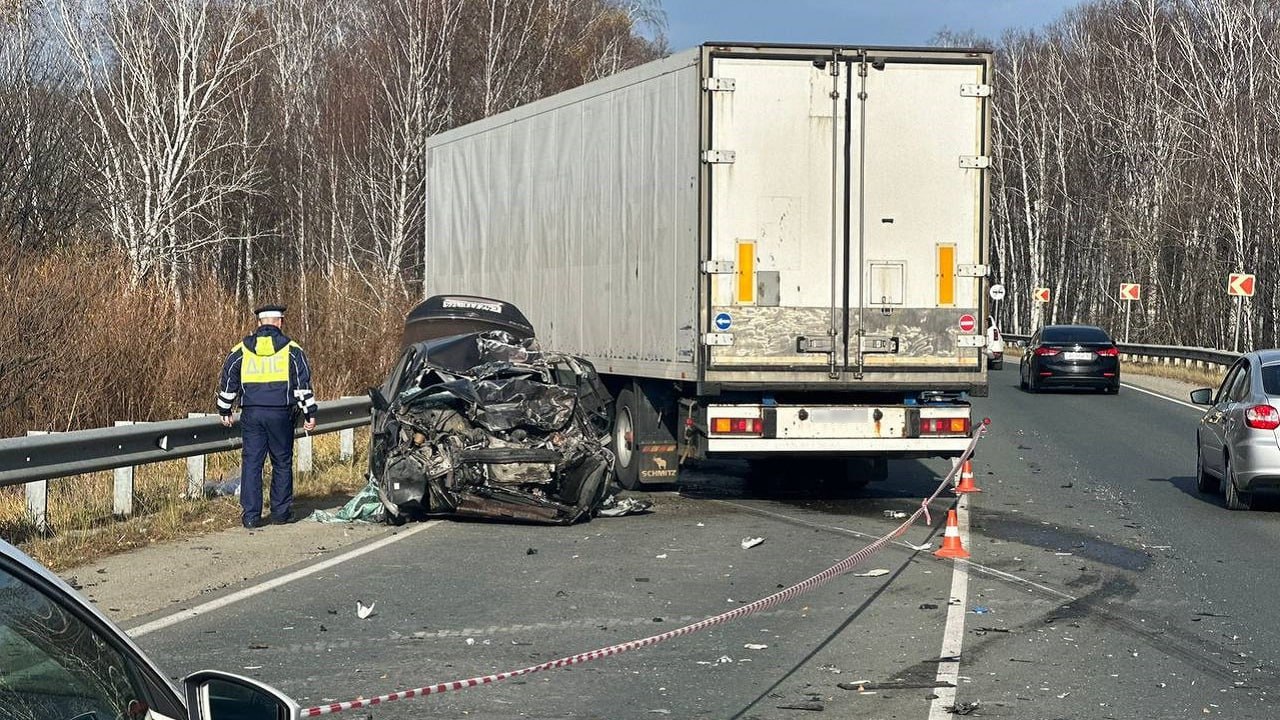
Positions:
(871, 22)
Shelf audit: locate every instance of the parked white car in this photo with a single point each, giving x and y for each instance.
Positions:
(995, 346)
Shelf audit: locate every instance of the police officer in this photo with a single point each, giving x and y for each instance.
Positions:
(271, 376)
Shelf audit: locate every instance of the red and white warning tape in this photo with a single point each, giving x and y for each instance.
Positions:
(739, 612)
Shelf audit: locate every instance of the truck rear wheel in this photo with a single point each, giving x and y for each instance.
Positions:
(627, 467)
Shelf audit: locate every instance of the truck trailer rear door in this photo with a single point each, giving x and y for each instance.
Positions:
(846, 212)
(917, 240)
(777, 252)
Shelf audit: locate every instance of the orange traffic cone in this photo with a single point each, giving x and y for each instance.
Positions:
(951, 545)
(966, 479)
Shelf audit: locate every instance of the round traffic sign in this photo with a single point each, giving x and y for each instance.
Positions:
(967, 323)
(996, 292)
(723, 321)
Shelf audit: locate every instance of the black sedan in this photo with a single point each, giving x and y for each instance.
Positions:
(1070, 355)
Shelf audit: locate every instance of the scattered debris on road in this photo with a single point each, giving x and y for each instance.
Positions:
(364, 611)
(748, 543)
(614, 506)
(810, 705)
(964, 708)
(878, 572)
(867, 686)
(755, 646)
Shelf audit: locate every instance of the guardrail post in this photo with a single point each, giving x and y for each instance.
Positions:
(38, 498)
(347, 440)
(347, 444)
(195, 469)
(304, 453)
(122, 496)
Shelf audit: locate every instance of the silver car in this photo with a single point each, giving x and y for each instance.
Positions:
(61, 658)
(1237, 443)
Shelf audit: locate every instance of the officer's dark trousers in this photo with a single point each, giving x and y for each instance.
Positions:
(266, 430)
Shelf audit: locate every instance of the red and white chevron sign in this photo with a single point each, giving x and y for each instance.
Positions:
(1240, 284)
(1130, 291)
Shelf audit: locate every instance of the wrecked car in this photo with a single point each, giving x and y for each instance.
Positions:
(476, 419)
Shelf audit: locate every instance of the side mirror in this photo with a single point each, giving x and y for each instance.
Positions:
(380, 402)
(1203, 396)
(213, 695)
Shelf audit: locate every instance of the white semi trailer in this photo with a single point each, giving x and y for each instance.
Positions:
(767, 251)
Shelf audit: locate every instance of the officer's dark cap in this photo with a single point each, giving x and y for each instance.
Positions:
(269, 311)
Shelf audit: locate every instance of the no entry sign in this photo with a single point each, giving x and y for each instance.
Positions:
(967, 323)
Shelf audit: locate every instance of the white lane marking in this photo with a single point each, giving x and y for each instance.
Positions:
(953, 633)
(201, 609)
(1197, 408)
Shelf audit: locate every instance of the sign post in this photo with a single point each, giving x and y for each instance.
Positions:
(996, 292)
(1129, 293)
(1241, 286)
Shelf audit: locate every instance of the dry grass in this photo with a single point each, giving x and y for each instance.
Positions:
(83, 348)
(1200, 376)
(83, 529)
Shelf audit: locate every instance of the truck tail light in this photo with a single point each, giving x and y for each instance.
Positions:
(1262, 417)
(1045, 351)
(944, 426)
(737, 426)
(1109, 352)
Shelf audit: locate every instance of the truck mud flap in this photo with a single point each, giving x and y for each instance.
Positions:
(659, 462)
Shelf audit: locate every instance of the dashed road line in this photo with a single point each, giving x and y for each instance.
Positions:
(953, 633)
(258, 589)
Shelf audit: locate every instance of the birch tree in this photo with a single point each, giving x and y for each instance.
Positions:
(159, 80)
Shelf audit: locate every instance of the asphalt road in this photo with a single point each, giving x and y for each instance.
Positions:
(1108, 588)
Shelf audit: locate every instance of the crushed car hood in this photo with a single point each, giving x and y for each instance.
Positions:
(487, 424)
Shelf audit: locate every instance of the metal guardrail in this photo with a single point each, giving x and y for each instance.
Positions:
(43, 457)
(1159, 353)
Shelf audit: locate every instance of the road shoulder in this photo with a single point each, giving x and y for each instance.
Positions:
(166, 575)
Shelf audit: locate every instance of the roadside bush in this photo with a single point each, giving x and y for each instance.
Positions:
(83, 349)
